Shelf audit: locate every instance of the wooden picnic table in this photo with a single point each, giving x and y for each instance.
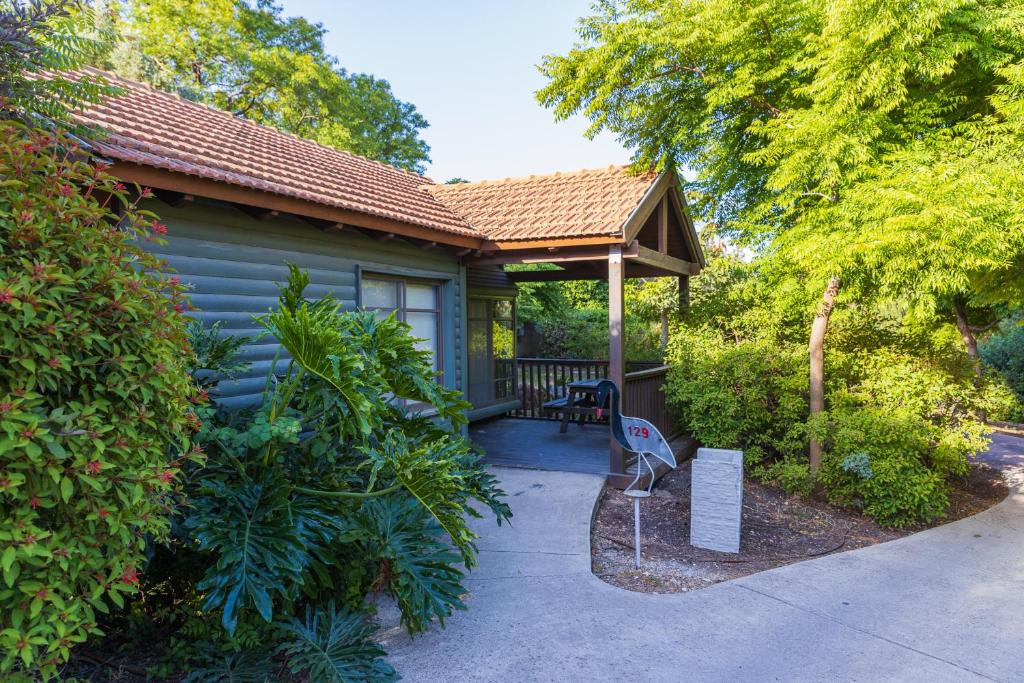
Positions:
(580, 398)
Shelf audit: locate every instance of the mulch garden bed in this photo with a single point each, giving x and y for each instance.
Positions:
(777, 529)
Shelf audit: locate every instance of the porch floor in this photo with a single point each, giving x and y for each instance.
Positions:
(537, 445)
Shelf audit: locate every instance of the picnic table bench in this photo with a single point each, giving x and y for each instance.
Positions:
(579, 399)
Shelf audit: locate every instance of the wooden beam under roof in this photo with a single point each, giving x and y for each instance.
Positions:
(669, 264)
(175, 199)
(560, 275)
(259, 213)
(326, 226)
(544, 255)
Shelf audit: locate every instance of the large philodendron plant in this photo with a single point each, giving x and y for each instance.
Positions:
(333, 488)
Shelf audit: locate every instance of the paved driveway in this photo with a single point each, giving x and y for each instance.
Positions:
(943, 605)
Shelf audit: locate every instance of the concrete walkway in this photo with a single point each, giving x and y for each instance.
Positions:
(946, 604)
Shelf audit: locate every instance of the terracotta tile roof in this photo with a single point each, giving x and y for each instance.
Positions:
(153, 128)
(592, 203)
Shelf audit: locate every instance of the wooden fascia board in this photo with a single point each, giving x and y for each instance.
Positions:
(148, 176)
(550, 243)
(553, 255)
(670, 264)
(689, 231)
(635, 223)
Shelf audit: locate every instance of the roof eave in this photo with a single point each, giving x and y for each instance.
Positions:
(163, 179)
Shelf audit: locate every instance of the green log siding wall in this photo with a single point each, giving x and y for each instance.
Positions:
(232, 261)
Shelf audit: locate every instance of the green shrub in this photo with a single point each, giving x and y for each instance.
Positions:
(751, 395)
(999, 400)
(94, 396)
(1004, 351)
(791, 474)
(901, 421)
(878, 462)
(327, 492)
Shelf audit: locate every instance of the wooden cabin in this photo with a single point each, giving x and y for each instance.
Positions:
(241, 200)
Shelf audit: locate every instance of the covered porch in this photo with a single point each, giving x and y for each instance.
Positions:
(530, 436)
(645, 234)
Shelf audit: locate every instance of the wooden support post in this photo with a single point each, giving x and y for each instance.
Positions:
(684, 293)
(616, 347)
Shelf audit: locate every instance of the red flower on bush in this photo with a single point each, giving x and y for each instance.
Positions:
(94, 467)
(130, 576)
(66, 190)
(6, 406)
(5, 296)
(167, 476)
(53, 362)
(160, 228)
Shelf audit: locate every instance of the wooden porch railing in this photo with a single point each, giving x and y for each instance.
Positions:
(644, 397)
(539, 380)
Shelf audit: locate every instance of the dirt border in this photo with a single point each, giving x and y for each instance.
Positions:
(778, 529)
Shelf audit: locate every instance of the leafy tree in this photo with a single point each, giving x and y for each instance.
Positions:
(249, 59)
(38, 37)
(855, 140)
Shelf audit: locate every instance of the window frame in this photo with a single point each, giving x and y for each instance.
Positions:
(440, 364)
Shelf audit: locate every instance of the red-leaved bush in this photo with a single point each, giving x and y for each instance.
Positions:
(94, 395)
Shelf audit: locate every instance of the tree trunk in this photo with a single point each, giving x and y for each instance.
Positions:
(816, 347)
(664, 333)
(971, 343)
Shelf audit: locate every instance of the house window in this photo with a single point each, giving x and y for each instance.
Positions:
(492, 350)
(414, 302)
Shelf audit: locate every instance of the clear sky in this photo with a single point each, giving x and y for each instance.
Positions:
(469, 66)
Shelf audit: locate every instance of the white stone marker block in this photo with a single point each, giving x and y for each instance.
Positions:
(716, 500)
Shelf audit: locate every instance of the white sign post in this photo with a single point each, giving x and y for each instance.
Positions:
(716, 500)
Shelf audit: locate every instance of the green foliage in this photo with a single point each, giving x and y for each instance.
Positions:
(878, 462)
(45, 36)
(857, 138)
(901, 394)
(1004, 351)
(411, 546)
(334, 646)
(94, 396)
(793, 475)
(215, 354)
(326, 492)
(750, 395)
(256, 536)
(249, 59)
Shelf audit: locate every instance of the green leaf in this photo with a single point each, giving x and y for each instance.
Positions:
(8, 558)
(334, 646)
(261, 554)
(67, 489)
